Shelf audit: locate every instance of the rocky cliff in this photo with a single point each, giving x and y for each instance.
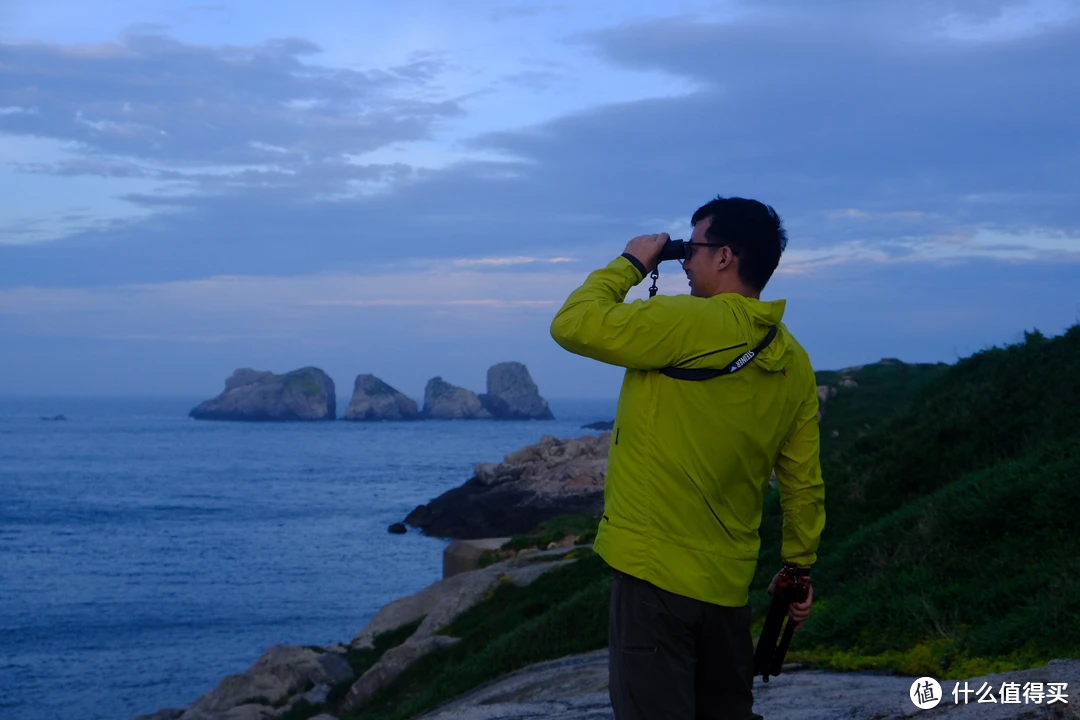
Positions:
(512, 394)
(443, 401)
(304, 394)
(372, 400)
(536, 483)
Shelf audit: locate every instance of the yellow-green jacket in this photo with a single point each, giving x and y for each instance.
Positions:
(690, 461)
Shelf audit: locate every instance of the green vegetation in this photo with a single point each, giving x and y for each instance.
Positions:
(947, 535)
(581, 526)
(948, 544)
(561, 613)
(882, 390)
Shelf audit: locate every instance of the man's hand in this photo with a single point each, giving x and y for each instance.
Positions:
(646, 248)
(798, 612)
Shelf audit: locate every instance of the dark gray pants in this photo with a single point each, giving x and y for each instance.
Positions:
(673, 657)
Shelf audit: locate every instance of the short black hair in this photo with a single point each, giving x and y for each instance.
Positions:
(751, 229)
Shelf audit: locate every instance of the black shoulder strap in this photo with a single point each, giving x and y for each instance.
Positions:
(709, 373)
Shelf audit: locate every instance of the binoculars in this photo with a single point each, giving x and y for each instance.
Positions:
(674, 250)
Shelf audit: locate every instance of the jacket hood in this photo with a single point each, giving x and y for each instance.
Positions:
(757, 316)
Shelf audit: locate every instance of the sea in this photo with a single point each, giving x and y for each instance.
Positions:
(144, 555)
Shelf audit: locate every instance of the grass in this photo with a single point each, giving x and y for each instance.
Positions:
(555, 530)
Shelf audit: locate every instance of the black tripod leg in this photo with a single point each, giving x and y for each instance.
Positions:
(781, 651)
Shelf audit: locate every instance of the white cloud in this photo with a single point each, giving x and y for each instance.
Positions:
(1033, 246)
(503, 261)
(1012, 21)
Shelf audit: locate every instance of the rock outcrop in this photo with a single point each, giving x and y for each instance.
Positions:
(443, 401)
(439, 605)
(373, 400)
(824, 394)
(304, 394)
(531, 485)
(278, 680)
(512, 394)
(576, 688)
(465, 555)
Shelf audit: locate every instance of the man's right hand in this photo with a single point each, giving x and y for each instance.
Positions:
(798, 612)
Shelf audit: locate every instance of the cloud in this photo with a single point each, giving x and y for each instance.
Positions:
(501, 261)
(155, 98)
(868, 130)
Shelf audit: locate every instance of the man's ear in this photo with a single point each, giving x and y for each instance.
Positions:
(725, 258)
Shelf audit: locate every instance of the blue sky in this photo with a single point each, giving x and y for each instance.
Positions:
(412, 188)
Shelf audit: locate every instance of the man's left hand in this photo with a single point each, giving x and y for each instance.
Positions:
(646, 248)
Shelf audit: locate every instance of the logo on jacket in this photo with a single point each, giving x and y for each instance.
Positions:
(742, 361)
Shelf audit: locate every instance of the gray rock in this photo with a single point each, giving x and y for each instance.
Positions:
(512, 394)
(464, 555)
(442, 601)
(282, 671)
(390, 666)
(824, 394)
(169, 714)
(848, 383)
(304, 394)
(374, 400)
(536, 483)
(443, 401)
(318, 694)
(575, 688)
(250, 711)
(439, 604)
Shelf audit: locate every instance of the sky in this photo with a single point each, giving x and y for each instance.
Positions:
(412, 189)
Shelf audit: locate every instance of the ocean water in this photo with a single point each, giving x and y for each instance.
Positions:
(145, 555)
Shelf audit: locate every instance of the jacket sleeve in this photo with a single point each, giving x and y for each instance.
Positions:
(802, 490)
(643, 335)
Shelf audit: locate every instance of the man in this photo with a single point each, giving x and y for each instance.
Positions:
(690, 460)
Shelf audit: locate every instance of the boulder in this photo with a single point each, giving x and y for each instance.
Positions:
(373, 400)
(512, 394)
(443, 401)
(439, 605)
(281, 672)
(464, 555)
(304, 394)
(534, 484)
(824, 393)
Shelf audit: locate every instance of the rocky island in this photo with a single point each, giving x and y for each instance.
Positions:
(374, 400)
(252, 395)
(511, 395)
(443, 401)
